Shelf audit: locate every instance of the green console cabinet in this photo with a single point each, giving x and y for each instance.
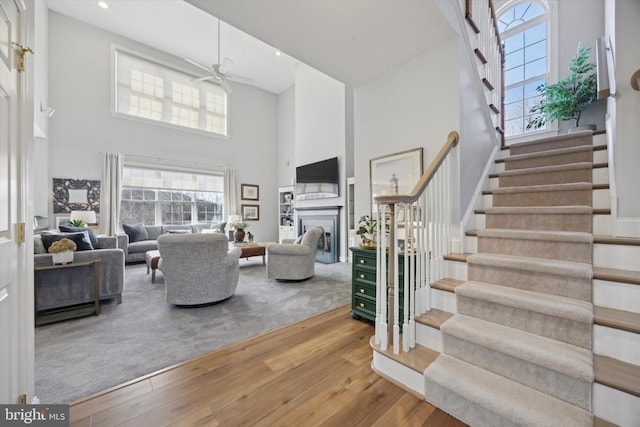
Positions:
(363, 283)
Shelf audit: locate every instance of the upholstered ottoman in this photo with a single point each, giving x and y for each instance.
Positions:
(152, 258)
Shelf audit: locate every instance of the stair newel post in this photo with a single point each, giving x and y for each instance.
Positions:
(394, 333)
(410, 282)
(382, 332)
(407, 247)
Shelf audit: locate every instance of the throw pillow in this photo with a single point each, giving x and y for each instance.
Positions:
(220, 227)
(298, 240)
(178, 231)
(136, 233)
(92, 234)
(81, 239)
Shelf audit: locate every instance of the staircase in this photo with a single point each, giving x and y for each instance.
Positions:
(540, 323)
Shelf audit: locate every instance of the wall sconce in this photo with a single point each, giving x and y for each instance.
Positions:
(88, 217)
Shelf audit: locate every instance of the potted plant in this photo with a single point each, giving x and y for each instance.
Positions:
(62, 251)
(366, 230)
(239, 226)
(77, 223)
(567, 99)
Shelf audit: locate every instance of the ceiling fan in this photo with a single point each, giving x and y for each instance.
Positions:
(219, 71)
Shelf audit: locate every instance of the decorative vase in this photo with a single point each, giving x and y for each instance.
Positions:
(65, 257)
(239, 236)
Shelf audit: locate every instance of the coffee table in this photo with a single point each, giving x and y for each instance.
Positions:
(251, 249)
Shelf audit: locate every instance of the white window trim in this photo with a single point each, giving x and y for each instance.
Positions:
(551, 12)
(114, 113)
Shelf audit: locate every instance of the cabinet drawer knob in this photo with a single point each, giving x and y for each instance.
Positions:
(362, 276)
(361, 290)
(362, 305)
(362, 261)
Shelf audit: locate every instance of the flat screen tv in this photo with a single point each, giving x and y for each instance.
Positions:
(317, 180)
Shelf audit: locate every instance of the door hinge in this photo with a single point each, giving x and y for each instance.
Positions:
(20, 233)
(22, 399)
(22, 50)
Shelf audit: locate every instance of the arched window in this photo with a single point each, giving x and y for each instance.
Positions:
(524, 30)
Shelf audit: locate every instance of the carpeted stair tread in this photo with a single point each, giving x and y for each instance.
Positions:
(560, 236)
(507, 399)
(572, 186)
(550, 153)
(556, 355)
(551, 305)
(531, 264)
(540, 210)
(618, 319)
(576, 139)
(545, 169)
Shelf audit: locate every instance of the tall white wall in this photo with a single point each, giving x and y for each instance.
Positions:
(286, 137)
(320, 131)
(80, 75)
(41, 121)
(413, 105)
(622, 27)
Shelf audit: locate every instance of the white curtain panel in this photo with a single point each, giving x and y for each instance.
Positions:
(230, 196)
(112, 165)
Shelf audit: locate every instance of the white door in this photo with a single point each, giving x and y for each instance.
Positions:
(16, 266)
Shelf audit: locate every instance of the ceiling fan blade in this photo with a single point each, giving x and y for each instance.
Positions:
(223, 67)
(205, 78)
(197, 64)
(225, 85)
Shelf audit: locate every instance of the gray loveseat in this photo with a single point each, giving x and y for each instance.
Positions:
(135, 251)
(64, 287)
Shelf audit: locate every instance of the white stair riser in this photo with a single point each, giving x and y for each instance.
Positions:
(494, 183)
(616, 406)
(600, 156)
(601, 199)
(616, 343)
(487, 200)
(621, 296)
(455, 270)
(602, 225)
(622, 257)
(444, 300)
(429, 337)
(399, 372)
(498, 167)
(600, 175)
(600, 139)
(472, 244)
(481, 221)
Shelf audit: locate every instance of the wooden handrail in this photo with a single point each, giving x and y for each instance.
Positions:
(418, 189)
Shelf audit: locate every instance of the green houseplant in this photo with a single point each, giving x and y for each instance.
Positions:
(366, 230)
(567, 99)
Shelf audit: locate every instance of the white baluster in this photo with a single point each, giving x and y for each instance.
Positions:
(382, 280)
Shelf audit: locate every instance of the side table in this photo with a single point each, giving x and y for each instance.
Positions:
(70, 312)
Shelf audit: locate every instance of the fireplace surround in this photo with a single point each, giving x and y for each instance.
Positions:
(327, 217)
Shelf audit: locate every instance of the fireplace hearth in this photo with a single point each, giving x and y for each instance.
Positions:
(328, 218)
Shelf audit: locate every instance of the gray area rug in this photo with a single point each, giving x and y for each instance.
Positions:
(76, 358)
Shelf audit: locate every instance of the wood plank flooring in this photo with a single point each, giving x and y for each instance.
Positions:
(314, 372)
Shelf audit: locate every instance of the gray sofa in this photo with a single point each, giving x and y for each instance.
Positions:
(135, 251)
(63, 287)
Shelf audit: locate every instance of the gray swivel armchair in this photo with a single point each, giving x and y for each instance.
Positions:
(287, 261)
(198, 268)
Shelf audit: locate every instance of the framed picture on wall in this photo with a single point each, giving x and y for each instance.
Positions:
(395, 173)
(250, 212)
(249, 192)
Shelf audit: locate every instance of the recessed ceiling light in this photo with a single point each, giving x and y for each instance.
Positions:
(103, 5)
(278, 53)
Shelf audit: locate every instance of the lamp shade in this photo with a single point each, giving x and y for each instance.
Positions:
(89, 217)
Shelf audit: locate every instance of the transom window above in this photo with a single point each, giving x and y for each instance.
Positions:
(150, 91)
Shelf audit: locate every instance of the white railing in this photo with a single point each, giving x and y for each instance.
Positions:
(487, 47)
(416, 227)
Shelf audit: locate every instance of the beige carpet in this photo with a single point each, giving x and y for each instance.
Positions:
(518, 352)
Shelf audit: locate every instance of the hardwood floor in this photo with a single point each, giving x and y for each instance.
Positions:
(314, 372)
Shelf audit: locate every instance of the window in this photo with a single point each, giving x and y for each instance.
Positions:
(150, 91)
(152, 196)
(524, 29)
